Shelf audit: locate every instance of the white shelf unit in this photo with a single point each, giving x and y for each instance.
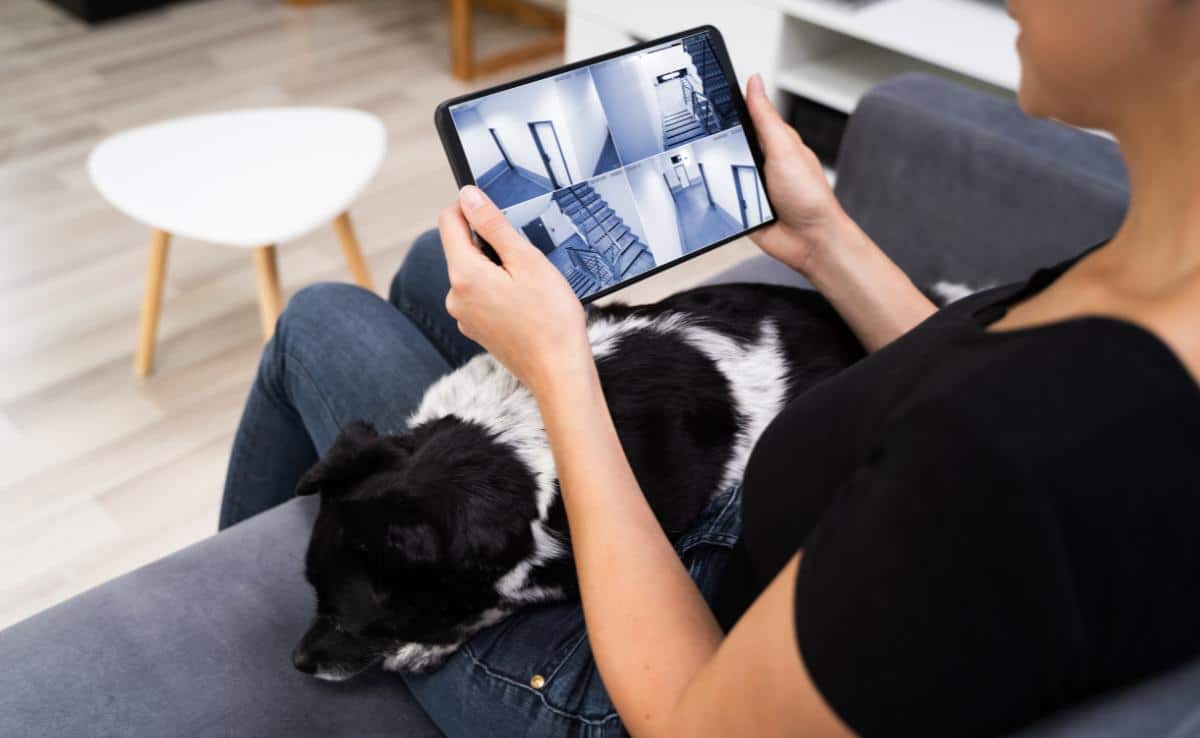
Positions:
(840, 78)
(967, 39)
(830, 51)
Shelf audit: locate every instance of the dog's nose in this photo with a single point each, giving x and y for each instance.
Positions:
(304, 661)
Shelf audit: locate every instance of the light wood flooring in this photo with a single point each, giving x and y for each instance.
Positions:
(101, 472)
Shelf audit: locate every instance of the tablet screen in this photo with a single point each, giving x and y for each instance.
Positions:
(620, 167)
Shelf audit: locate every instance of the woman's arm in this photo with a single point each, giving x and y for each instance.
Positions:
(666, 664)
(814, 236)
(659, 650)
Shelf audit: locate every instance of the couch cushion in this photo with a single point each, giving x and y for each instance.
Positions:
(961, 186)
(196, 644)
(1167, 706)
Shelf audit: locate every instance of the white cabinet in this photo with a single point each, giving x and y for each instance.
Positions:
(830, 51)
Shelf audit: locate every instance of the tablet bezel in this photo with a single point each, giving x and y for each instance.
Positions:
(462, 171)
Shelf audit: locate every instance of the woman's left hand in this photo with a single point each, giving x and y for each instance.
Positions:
(522, 310)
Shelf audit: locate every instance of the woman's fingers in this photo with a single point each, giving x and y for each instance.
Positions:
(776, 136)
(492, 226)
(458, 244)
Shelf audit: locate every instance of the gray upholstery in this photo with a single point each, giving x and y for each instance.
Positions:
(953, 184)
(1167, 706)
(958, 185)
(196, 644)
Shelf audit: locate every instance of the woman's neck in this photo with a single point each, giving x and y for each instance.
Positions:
(1158, 245)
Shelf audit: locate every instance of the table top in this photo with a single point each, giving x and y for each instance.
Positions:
(241, 178)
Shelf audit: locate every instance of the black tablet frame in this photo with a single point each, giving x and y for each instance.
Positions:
(462, 171)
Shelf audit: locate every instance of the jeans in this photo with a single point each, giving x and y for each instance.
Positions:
(341, 353)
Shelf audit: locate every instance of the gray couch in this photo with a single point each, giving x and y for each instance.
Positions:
(955, 185)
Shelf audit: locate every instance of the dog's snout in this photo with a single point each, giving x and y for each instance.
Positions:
(304, 661)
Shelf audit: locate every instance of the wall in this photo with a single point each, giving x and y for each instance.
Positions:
(669, 94)
(560, 226)
(523, 212)
(668, 60)
(688, 154)
(510, 114)
(655, 201)
(557, 225)
(718, 155)
(585, 120)
(478, 146)
(632, 108)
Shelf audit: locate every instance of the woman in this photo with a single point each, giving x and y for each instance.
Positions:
(998, 509)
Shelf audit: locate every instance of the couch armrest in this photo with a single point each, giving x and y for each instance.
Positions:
(197, 644)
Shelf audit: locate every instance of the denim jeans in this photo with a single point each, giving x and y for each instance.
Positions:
(341, 353)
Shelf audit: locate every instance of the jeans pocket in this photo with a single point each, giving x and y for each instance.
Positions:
(534, 641)
(544, 651)
(720, 524)
(705, 549)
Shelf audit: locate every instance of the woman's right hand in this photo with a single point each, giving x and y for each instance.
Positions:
(809, 218)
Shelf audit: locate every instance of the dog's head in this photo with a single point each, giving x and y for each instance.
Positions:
(413, 534)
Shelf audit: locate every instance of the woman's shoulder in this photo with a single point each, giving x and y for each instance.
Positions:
(1077, 388)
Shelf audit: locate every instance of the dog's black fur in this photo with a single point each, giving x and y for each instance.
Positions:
(426, 537)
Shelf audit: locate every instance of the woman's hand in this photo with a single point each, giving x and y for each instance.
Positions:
(810, 219)
(522, 311)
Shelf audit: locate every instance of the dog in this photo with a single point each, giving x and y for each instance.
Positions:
(427, 537)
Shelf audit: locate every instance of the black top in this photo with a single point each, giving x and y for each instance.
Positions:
(994, 525)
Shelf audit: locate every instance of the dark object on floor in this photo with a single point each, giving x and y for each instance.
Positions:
(98, 11)
(820, 126)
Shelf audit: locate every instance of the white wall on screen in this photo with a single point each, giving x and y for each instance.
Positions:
(718, 155)
(511, 112)
(584, 120)
(627, 94)
(670, 59)
(557, 224)
(478, 146)
(521, 213)
(654, 201)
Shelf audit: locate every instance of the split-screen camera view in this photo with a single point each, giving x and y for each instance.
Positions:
(619, 167)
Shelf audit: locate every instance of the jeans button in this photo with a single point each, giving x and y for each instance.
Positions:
(538, 681)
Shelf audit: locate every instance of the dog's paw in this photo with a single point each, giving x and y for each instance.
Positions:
(416, 658)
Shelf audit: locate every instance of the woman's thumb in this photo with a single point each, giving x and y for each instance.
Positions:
(773, 132)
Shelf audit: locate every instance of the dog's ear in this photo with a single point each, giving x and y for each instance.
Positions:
(357, 455)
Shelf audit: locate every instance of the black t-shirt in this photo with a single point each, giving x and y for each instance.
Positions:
(994, 525)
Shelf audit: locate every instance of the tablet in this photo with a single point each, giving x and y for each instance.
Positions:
(619, 166)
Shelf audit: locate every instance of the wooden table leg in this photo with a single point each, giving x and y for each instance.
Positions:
(466, 66)
(270, 304)
(354, 257)
(462, 43)
(156, 272)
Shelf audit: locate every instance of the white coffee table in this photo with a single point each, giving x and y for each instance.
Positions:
(250, 178)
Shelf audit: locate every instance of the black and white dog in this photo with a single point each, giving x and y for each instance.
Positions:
(425, 538)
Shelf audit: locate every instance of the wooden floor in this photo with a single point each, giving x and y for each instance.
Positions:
(101, 472)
